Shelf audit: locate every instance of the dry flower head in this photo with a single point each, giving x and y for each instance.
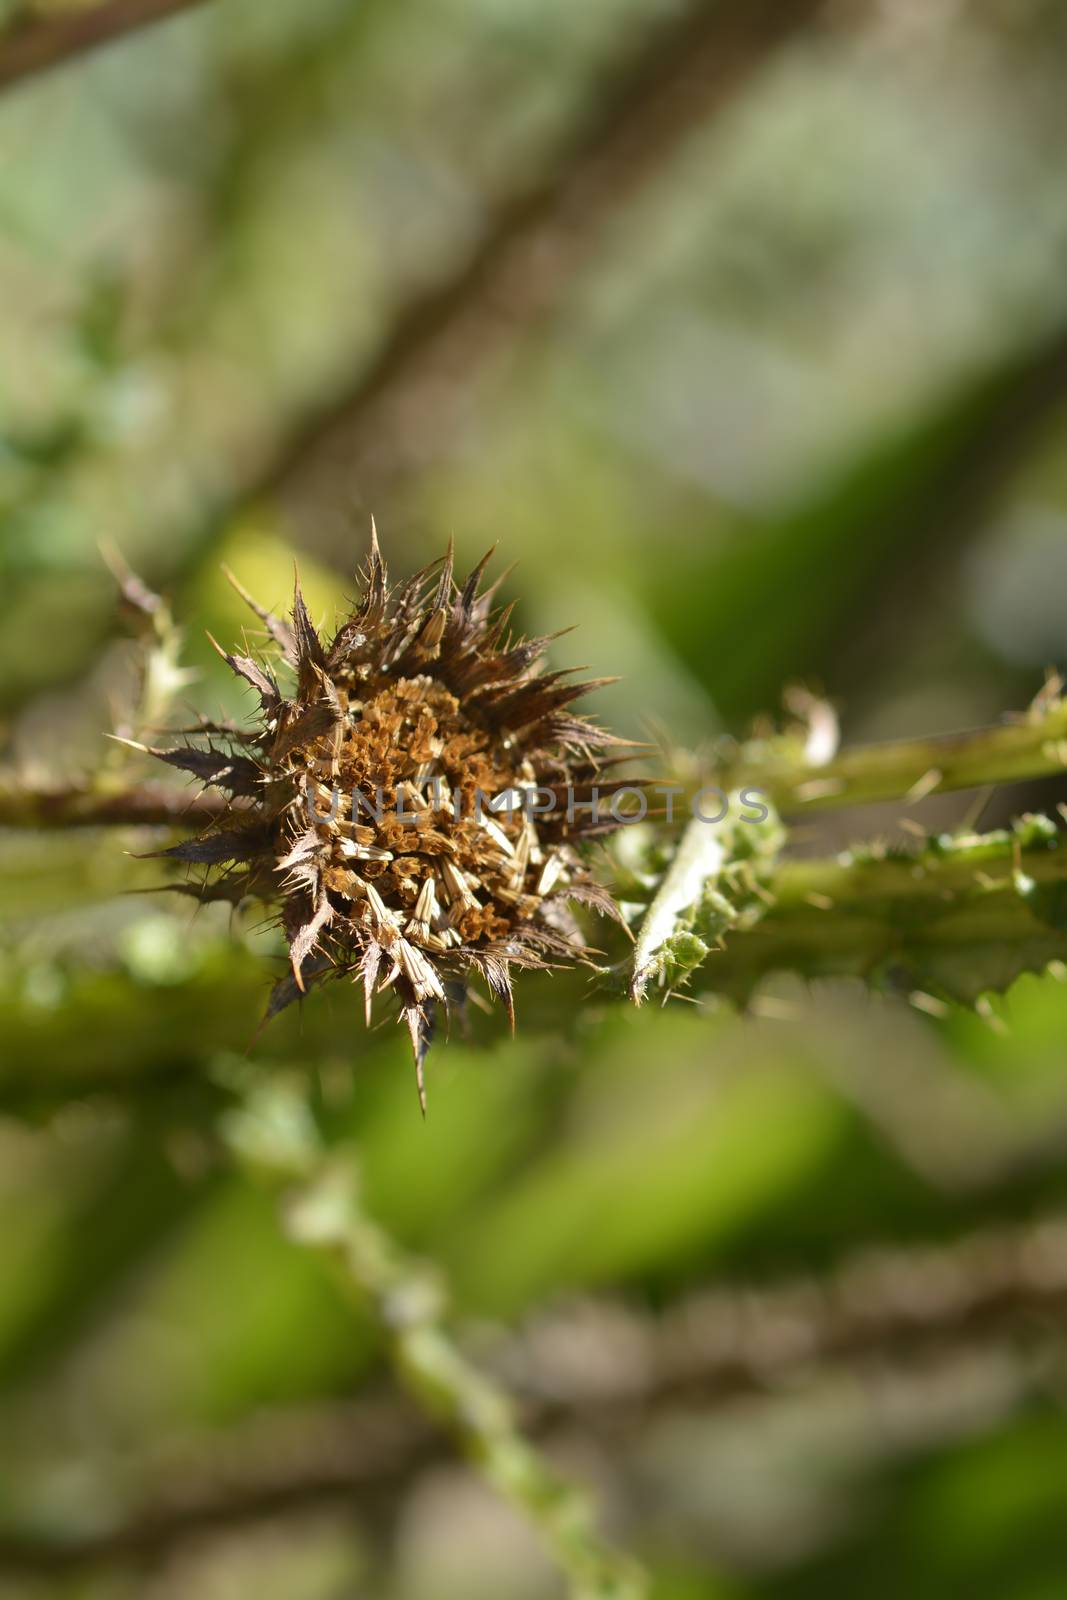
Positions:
(355, 807)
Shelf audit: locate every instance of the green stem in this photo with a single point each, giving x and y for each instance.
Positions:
(1034, 746)
(323, 1210)
(960, 918)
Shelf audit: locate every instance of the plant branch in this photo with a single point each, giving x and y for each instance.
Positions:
(35, 46)
(676, 79)
(1033, 745)
(957, 919)
(107, 801)
(877, 1309)
(322, 1210)
(1030, 746)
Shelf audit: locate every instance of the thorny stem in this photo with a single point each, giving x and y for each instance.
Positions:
(971, 911)
(1002, 1285)
(675, 77)
(1034, 746)
(961, 899)
(107, 801)
(34, 46)
(322, 1210)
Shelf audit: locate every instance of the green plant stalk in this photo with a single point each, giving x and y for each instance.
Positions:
(1035, 746)
(961, 918)
(322, 1210)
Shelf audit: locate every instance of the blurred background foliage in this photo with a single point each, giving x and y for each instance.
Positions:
(743, 328)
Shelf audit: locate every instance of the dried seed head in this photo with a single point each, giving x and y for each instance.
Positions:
(413, 803)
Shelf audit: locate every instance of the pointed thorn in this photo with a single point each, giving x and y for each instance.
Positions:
(133, 589)
(238, 587)
(444, 587)
(131, 744)
(473, 583)
(216, 646)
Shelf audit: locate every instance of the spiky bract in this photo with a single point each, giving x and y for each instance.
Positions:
(383, 803)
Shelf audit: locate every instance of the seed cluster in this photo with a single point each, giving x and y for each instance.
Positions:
(359, 798)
